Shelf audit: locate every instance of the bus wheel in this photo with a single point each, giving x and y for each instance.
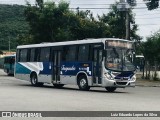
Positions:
(58, 85)
(83, 83)
(8, 72)
(34, 80)
(110, 89)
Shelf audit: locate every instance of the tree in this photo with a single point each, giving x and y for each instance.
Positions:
(52, 23)
(12, 25)
(151, 50)
(152, 4)
(1, 52)
(115, 20)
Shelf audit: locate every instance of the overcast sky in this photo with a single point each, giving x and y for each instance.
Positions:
(148, 21)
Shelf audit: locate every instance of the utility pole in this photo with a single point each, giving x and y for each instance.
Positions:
(131, 3)
(124, 6)
(127, 26)
(9, 44)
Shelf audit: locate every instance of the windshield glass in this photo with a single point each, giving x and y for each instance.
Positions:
(119, 59)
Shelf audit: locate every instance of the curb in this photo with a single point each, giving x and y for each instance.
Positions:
(148, 85)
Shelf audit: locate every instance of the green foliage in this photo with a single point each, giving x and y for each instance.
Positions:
(151, 48)
(1, 52)
(115, 20)
(52, 23)
(12, 25)
(152, 4)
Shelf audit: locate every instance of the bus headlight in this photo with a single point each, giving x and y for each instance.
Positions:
(133, 78)
(109, 76)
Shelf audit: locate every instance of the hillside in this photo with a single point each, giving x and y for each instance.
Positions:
(12, 25)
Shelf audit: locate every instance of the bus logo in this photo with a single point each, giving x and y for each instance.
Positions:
(68, 68)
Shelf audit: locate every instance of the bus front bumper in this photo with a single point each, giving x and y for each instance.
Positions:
(119, 84)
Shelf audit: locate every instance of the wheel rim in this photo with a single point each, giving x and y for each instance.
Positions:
(34, 80)
(83, 83)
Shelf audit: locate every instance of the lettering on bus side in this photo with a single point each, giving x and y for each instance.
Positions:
(72, 68)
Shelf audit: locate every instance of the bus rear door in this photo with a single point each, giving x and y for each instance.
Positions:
(57, 55)
(97, 64)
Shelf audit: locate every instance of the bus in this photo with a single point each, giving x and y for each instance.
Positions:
(9, 62)
(104, 62)
(1, 62)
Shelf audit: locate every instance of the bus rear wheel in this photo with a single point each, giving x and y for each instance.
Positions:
(110, 89)
(83, 83)
(34, 80)
(8, 72)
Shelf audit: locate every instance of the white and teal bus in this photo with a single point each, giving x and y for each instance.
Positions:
(104, 62)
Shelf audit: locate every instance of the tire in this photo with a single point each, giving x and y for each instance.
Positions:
(83, 83)
(34, 80)
(8, 72)
(58, 85)
(110, 89)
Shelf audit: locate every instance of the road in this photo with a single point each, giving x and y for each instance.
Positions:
(19, 95)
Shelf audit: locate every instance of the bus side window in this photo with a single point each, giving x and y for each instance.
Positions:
(23, 55)
(37, 55)
(28, 55)
(45, 54)
(32, 55)
(12, 60)
(83, 53)
(69, 53)
(17, 56)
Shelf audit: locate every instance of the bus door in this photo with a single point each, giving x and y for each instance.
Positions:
(12, 62)
(57, 55)
(97, 65)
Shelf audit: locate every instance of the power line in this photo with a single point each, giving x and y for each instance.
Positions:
(148, 14)
(148, 24)
(149, 18)
(104, 8)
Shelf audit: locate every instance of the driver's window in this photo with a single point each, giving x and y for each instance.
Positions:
(114, 53)
(129, 56)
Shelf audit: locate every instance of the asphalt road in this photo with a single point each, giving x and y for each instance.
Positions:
(19, 95)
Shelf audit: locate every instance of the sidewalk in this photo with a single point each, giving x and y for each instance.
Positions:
(146, 83)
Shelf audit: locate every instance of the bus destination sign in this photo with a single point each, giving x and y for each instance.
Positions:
(116, 43)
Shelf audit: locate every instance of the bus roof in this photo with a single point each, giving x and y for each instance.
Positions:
(13, 55)
(90, 40)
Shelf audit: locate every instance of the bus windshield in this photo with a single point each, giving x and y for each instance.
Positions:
(119, 59)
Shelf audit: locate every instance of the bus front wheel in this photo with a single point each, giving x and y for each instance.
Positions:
(110, 89)
(83, 83)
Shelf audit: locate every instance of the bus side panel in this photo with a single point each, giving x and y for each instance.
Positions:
(45, 74)
(69, 71)
(45, 78)
(21, 72)
(43, 71)
(65, 79)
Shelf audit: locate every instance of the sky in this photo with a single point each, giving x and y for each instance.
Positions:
(148, 21)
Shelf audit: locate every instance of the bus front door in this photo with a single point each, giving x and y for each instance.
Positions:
(56, 66)
(97, 66)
